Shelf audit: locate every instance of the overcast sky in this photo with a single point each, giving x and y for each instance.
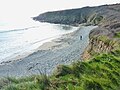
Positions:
(11, 9)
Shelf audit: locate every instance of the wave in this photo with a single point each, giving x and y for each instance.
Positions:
(23, 29)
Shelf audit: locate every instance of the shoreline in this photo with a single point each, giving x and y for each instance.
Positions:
(25, 54)
(22, 53)
(63, 50)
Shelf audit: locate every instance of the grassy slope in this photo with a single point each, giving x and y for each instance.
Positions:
(102, 72)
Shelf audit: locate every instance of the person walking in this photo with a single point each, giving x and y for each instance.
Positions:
(80, 37)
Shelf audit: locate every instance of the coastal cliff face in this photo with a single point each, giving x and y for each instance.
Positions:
(89, 15)
(71, 17)
(105, 38)
(100, 44)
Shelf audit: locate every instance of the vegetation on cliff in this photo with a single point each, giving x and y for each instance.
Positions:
(117, 35)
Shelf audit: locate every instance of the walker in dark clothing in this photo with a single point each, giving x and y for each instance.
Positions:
(80, 37)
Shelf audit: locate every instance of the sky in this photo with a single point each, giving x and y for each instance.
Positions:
(11, 10)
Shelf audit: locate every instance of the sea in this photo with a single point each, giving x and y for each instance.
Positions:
(19, 38)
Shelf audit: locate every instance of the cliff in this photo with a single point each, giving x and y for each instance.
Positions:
(89, 15)
(101, 44)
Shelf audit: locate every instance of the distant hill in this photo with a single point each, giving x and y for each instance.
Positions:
(90, 15)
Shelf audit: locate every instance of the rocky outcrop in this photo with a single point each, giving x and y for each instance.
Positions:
(100, 44)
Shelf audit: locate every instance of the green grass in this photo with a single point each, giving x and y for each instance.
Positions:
(95, 19)
(38, 82)
(117, 35)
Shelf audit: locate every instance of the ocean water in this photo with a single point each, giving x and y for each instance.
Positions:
(24, 37)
